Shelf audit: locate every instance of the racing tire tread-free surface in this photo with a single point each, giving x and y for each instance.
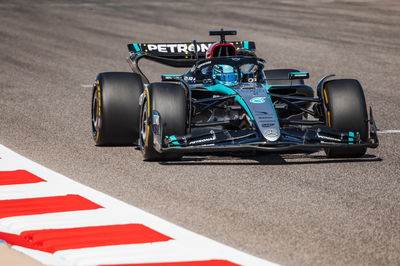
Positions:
(170, 101)
(346, 111)
(115, 108)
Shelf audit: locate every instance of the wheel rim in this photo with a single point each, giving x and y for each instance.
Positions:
(95, 115)
(143, 133)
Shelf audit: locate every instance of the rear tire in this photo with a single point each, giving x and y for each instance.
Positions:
(170, 101)
(346, 111)
(115, 108)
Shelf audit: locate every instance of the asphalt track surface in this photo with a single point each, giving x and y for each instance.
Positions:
(293, 209)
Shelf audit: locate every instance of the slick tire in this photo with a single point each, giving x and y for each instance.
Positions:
(115, 108)
(283, 76)
(345, 110)
(170, 101)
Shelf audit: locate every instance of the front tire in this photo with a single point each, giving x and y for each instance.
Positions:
(170, 101)
(346, 111)
(115, 108)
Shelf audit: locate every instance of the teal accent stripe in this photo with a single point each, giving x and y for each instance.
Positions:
(244, 105)
(222, 89)
(246, 45)
(137, 47)
(174, 141)
(351, 137)
(299, 73)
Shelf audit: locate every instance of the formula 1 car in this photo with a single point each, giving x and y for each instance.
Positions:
(226, 102)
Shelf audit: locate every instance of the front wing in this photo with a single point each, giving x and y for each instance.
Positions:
(216, 140)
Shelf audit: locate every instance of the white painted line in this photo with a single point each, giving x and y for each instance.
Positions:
(36, 190)
(184, 246)
(389, 131)
(137, 253)
(18, 224)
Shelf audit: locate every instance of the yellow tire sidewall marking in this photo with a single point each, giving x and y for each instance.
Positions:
(328, 113)
(98, 91)
(148, 117)
(98, 101)
(326, 97)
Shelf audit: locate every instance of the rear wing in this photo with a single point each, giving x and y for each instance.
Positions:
(174, 54)
(181, 50)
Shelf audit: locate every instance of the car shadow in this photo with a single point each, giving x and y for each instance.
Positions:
(258, 158)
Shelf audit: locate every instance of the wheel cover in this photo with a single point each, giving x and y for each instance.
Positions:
(96, 114)
(143, 125)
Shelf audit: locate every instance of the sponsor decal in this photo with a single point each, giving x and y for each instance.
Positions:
(193, 79)
(252, 80)
(204, 64)
(299, 75)
(258, 100)
(214, 137)
(178, 47)
(271, 132)
(268, 125)
(328, 138)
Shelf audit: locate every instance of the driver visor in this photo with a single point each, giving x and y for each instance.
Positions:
(228, 77)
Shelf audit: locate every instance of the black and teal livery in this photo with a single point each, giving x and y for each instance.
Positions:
(245, 107)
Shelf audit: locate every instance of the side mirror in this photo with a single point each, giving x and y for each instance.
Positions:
(299, 75)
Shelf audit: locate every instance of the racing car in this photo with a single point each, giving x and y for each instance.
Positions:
(226, 101)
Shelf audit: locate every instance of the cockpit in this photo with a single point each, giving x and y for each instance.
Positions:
(228, 71)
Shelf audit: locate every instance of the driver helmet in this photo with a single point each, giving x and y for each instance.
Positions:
(225, 74)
